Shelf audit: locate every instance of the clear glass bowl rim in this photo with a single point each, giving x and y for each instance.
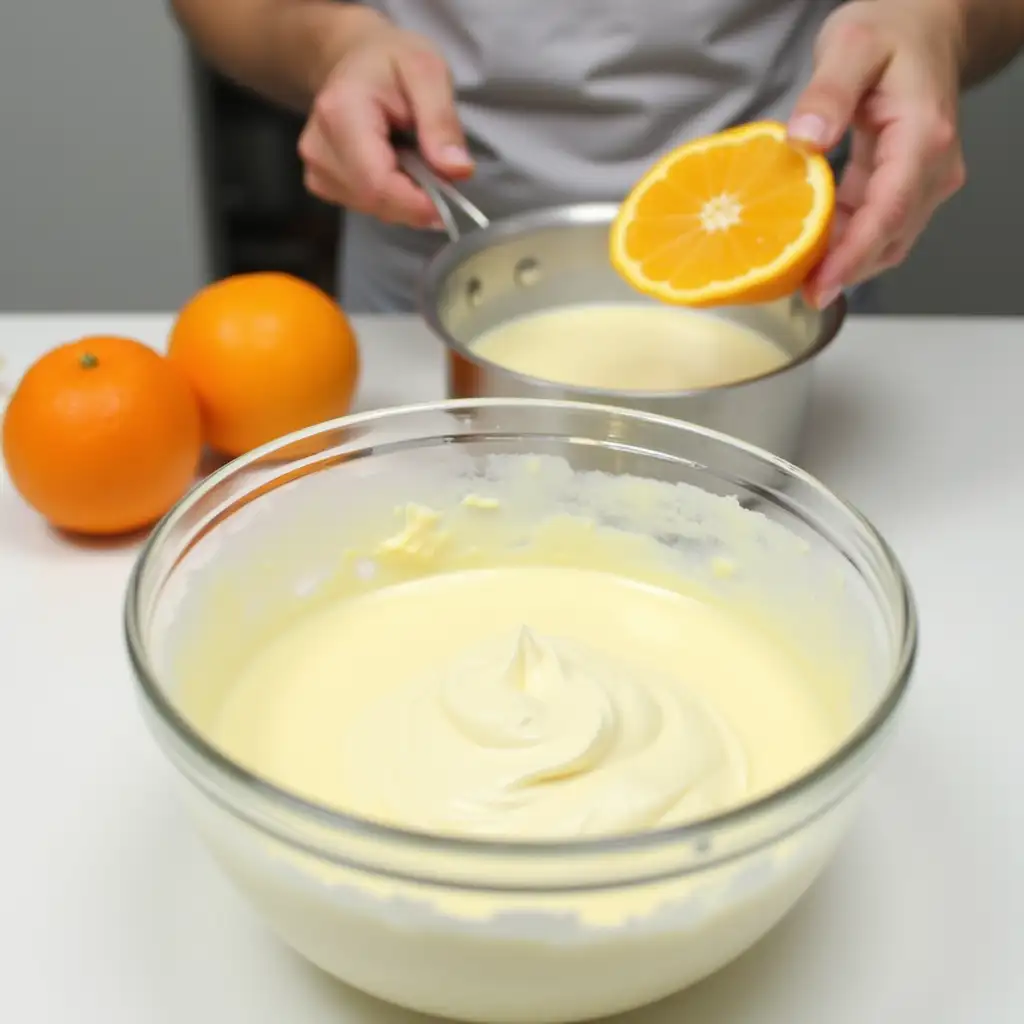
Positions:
(692, 832)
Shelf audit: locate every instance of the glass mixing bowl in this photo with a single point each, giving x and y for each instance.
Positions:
(513, 931)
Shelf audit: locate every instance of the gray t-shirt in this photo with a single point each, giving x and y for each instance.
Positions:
(571, 100)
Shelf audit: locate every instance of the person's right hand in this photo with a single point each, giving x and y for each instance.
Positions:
(387, 79)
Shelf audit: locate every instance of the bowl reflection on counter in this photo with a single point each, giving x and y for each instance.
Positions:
(554, 258)
(504, 931)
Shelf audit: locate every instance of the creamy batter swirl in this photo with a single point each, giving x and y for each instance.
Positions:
(541, 737)
(525, 702)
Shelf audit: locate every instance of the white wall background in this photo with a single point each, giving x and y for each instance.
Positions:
(970, 258)
(99, 196)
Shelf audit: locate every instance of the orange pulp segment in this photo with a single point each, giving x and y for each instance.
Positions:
(738, 217)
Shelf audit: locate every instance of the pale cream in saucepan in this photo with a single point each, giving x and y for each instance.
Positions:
(629, 347)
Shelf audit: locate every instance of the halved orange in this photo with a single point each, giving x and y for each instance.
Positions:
(738, 217)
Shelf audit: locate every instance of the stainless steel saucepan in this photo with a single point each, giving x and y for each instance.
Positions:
(490, 273)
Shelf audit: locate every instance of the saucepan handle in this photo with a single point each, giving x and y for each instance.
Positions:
(452, 205)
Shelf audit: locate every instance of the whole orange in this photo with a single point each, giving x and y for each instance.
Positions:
(102, 436)
(266, 354)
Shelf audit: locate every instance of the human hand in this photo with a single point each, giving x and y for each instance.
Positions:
(387, 79)
(890, 72)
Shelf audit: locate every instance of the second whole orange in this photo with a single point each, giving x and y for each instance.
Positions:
(267, 354)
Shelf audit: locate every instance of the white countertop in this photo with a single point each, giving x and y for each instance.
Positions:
(111, 912)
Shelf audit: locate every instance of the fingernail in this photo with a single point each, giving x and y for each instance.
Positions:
(455, 155)
(810, 128)
(827, 296)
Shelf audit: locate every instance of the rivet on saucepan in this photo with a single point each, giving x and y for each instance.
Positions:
(527, 272)
(474, 291)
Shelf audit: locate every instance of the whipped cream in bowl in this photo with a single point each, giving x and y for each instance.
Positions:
(513, 710)
(573, 745)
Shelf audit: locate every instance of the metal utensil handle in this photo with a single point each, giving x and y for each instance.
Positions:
(443, 194)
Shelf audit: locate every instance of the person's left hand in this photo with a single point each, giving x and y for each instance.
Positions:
(890, 72)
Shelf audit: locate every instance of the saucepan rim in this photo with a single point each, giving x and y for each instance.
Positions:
(457, 251)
